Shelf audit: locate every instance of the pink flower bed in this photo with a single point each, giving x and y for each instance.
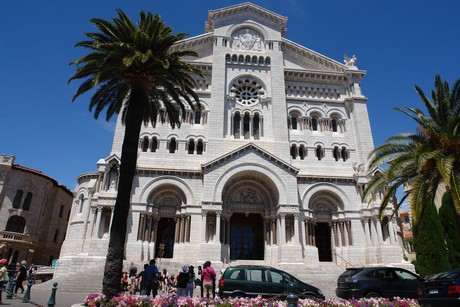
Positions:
(126, 300)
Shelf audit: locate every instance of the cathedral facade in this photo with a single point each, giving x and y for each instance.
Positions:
(270, 170)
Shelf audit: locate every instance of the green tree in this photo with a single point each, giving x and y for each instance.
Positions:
(429, 244)
(449, 222)
(422, 162)
(135, 70)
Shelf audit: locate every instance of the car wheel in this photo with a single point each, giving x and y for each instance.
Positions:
(372, 294)
(238, 295)
(308, 296)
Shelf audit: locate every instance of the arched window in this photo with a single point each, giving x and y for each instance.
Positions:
(154, 144)
(236, 125)
(16, 224)
(302, 152)
(18, 199)
(294, 121)
(191, 147)
(241, 58)
(256, 126)
(227, 57)
(293, 151)
(334, 124)
(248, 59)
(261, 60)
(344, 154)
(197, 117)
(314, 123)
(234, 58)
(246, 121)
(145, 144)
(200, 147)
(27, 201)
(267, 60)
(319, 152)
(172, 145)
(336, 153)
(81, 203)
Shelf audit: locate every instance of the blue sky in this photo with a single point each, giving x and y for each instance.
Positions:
(398, 43)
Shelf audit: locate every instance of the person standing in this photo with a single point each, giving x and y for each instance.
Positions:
(181, 281)
(151, 282)
(142, 278)
(208, 277)
(21, 276)
(3, 276)
(190, 282)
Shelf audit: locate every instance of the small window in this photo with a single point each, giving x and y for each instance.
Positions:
(145, 144)
(314, 124)
(319, 153)
(154, 144)
(302, 152)
(82, 201)
(191, 147)
(236, 125)
(197, 117)
(293, 151)
(246, 121)
(56, 234)
(336, 153)
(234, 58)
(27, 201)
(200, 147)
(334, 125)
(344, 154)
(18, 199)
(294, 122)
(256, 126)
(172, 145)
(61, 211)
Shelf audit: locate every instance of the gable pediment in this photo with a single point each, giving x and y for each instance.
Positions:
(248, 11)
(243, 150)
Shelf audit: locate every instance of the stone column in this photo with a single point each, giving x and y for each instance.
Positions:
(228, 231)
(205, 226)
(303, 233)
(98, 221)
(217, 236)
(187, 228)
(111, 219)
(306, 232)
(366, 231)
(283, 229)
(177, 230)
(333, 233)
(141, 234)
(378, 227)
(350, 234)
(391, 231)
(149, 237)
(93, 218)
(344, 233)
(181, 229)
(296, 228)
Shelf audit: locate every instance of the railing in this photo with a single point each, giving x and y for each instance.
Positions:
(15, 236)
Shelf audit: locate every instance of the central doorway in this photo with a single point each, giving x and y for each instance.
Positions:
(323, 242)
(246, 237)
(164, 243)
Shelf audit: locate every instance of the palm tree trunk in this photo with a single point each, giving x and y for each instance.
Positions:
(114, 261)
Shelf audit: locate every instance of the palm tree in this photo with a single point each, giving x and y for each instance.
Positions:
(423, 162)
(135, 71)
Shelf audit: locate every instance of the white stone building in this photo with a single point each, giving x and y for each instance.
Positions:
(270, 170)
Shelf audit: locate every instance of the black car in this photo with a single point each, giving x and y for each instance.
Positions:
(377, 282)
(253, 280)
(441, 289)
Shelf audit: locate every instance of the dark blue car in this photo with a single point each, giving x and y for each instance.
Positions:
(441, 289)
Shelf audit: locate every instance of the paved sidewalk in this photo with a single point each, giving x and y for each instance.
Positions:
(41, 298)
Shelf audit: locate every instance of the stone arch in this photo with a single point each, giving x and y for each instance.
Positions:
(180, 186)
(256, 169)
(328, 193)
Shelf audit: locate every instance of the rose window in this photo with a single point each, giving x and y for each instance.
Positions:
(247, 91)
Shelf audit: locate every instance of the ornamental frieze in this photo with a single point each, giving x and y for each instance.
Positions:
(288, 209)
(105, 202)
(211, 206)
